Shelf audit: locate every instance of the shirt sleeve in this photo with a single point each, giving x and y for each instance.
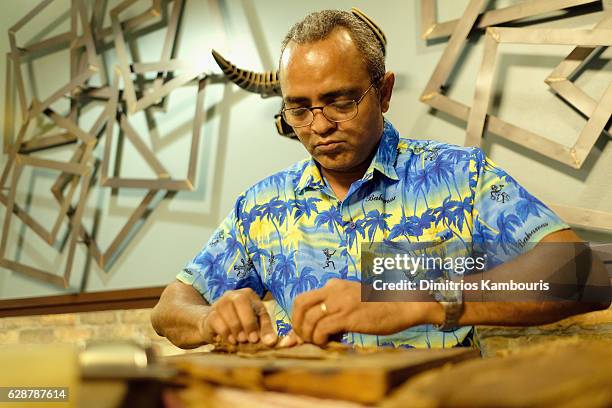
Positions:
(224, 263)
(508, 220)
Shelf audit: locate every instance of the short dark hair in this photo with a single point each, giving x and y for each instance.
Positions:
(320, 24)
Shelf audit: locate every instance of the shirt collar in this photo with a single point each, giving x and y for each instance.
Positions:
(383, 161)
(311, 177)
(386, 155)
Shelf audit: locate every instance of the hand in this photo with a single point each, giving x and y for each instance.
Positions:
(343, 311)
(239, 316)
(290, 340)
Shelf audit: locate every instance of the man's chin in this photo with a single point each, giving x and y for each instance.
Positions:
(334, 165)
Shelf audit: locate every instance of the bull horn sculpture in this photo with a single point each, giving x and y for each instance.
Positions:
(264, 83)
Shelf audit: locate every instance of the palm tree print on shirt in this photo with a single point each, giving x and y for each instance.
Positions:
(281, 227)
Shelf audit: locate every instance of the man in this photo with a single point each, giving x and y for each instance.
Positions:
(298, 233)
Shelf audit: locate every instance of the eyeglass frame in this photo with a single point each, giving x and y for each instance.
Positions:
(311, 109)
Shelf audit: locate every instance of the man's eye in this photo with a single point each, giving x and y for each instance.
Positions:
(297, 112)
(343, 106)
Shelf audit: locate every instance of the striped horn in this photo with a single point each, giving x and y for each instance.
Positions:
(382, 38)
(264, 83)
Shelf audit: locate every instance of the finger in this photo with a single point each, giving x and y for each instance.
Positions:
(326, 327)
(304, 302)
(266, 330)
(216, 325)
(230, 317)
(248, 319)
(311, 318)
(290, 340)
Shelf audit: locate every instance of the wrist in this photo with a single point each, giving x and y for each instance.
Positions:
(434, 313)
(204, 331)
(422, 312)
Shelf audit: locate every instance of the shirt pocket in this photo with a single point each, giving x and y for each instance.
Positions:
(430, 238)
(437, 242)
(435, 248)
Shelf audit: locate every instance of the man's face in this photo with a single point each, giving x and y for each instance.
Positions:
(326, 71)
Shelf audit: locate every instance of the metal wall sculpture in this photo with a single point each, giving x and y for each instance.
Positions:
(133, 86)
(432, 29)
(127, 90)
(477, 118)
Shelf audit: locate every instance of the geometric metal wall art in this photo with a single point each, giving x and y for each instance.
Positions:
(575, 155)
(38, 125)
(561, 80)
(584, 217)
(130, 87)
(84, 65)
(78, 170)
(432, 29)
(163, 179)
(477, 118)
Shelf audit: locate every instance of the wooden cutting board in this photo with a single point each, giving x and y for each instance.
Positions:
(364, 376)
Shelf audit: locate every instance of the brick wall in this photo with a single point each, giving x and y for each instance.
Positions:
(76, 328)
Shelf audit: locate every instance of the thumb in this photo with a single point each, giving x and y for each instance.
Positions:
(266, 330)
(291, 340)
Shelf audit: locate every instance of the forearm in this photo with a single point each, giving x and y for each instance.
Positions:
(179, 316)
(184, 317)
(182, 326)
(510, 313)
(576, 279)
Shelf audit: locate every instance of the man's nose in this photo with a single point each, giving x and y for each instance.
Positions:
(320, 124)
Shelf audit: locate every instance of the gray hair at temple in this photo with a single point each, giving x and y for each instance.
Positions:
(319, 25)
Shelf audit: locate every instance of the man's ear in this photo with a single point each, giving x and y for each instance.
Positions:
(386, 89)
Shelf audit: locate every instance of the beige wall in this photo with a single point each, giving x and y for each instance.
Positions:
(240, 145)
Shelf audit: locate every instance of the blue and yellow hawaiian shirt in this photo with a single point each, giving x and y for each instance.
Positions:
(289, 233)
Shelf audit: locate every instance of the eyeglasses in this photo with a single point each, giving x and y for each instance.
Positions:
(339, 111)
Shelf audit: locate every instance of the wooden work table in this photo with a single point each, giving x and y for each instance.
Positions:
(561, 373)
(563, 363)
